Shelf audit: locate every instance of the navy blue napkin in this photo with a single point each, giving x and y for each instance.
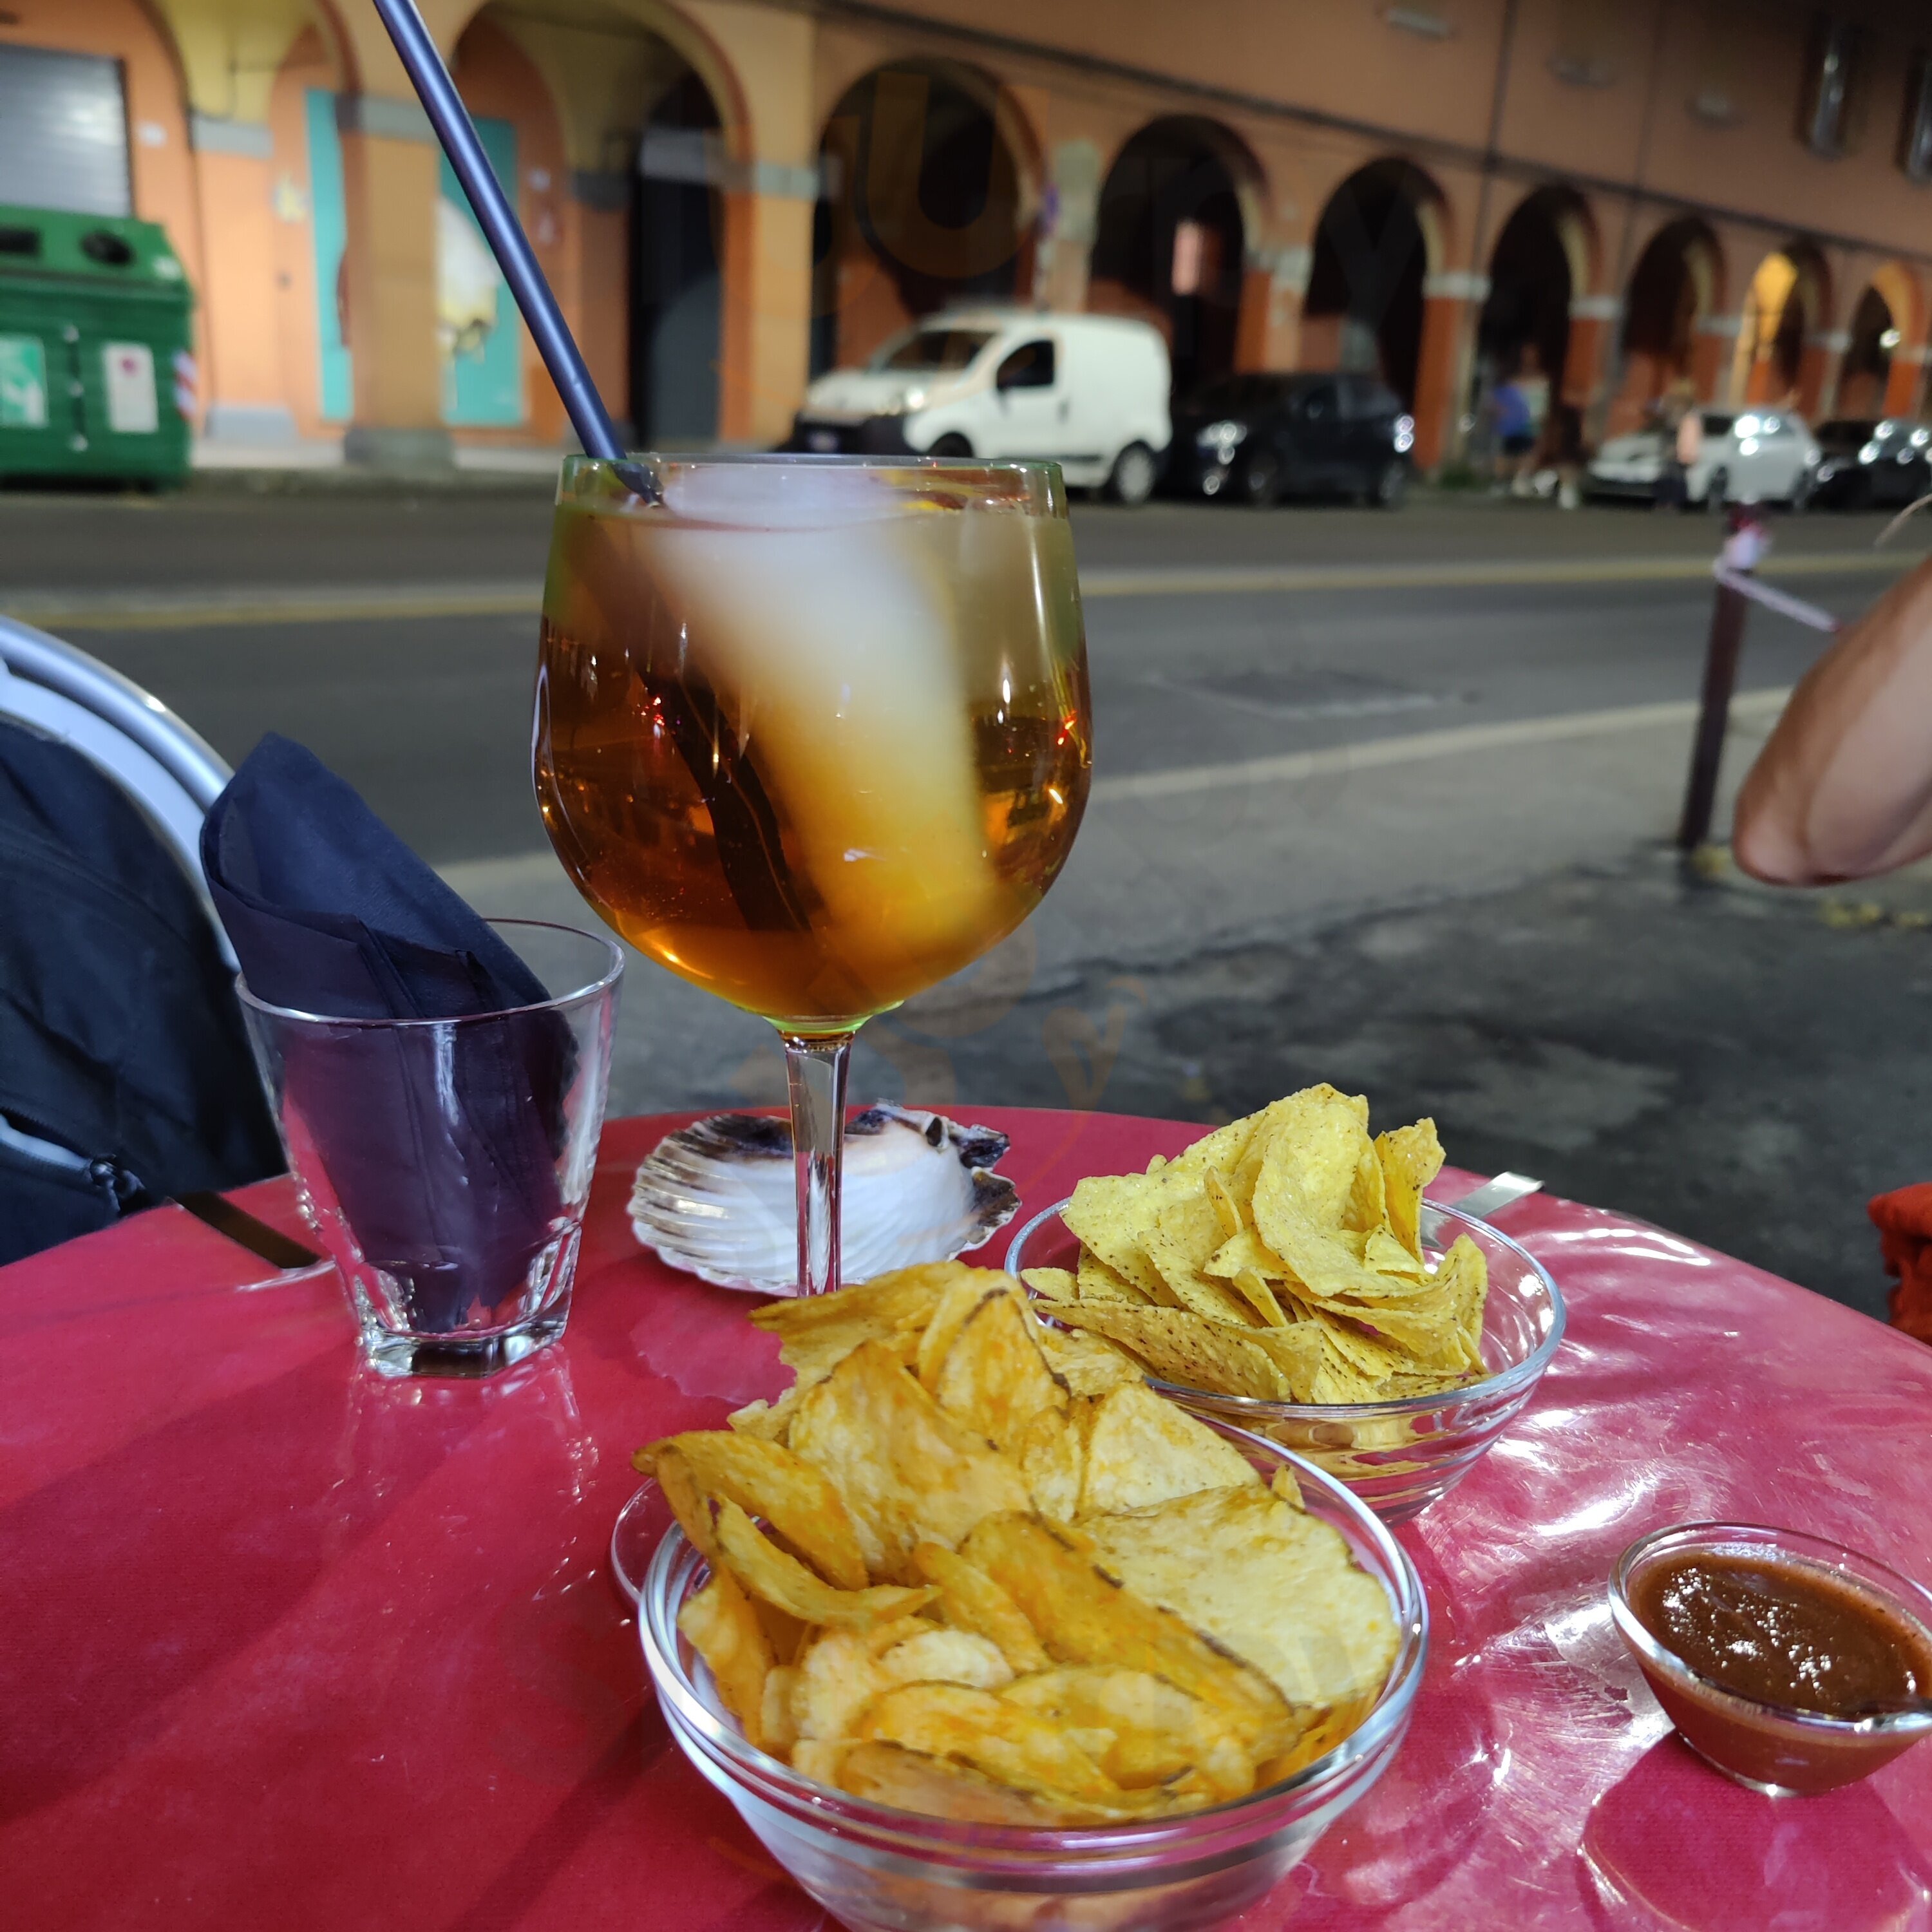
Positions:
(439, 1144)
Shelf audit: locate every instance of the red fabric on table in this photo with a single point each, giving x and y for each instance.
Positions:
(289, 1645)
(1904, 1219)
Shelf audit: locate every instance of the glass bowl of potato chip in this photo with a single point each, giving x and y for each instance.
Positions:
(1285, 1274)
(976, 1630)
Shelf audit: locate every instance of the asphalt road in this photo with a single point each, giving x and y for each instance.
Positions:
(395, 635)
(1380, 798)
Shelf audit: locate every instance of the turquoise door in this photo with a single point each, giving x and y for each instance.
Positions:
(328, 227)
(477, 323)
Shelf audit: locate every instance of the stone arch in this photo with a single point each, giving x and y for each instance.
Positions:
(1546, 258)
(1181, 203)
(929, 172)
(1787, 305)
(1677, 286)
(656, 134)
(1383, 234)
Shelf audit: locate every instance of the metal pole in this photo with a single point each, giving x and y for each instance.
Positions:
(1743, 546)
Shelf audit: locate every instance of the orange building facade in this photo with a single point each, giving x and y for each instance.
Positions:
(1731, 199)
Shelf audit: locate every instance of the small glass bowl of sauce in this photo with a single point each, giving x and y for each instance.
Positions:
(1776, 1653)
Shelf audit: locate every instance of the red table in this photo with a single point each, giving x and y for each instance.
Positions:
(290, 1646)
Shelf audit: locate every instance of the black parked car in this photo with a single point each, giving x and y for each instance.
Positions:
(1262, 437)
(1865, 460)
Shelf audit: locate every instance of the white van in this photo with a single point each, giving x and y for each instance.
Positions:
(1087, 391)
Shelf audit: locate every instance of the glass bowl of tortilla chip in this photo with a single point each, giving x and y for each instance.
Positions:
(876, 1865)
(1397, 1452)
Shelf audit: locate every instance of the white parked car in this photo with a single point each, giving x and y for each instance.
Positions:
(1749, 456)
(1089, 392)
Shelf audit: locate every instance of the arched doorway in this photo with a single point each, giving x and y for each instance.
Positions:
(676, 219)
(1785, 306)
(1168, 243)
(1364, 306)
(1672, 288)
(1541, 258)
(925, 167)
(647, 125)
(1866, 373)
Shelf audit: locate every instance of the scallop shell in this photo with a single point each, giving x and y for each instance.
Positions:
(718, 1197)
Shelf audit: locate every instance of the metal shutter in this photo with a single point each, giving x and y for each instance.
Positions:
(63, 132)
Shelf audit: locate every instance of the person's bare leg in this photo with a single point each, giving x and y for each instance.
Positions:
(1842, 787)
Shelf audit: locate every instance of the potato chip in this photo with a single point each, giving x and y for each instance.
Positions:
(718, 1621)
(1051, 1453)
(907, 1471)
(1283, 1484)
(1142, 1450)
(1184, 1348)
(956, 1307)
(687, 1501)
(917, 1622)
(1005, 1740)
(1411, 1157)
(769, 1420)
(1055, 1284)
(817, 1332)
(1084, 1616)
(1158, 1732)
(778, 1729)
(1087, 1364)
(765, 1479)
(836, 1676)
(1228, 1561)
(887, 1774)
(766, 1571)
(994, 1378)
(946, 1656)
(972, 1601)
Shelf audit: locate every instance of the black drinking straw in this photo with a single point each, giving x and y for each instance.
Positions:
(505, 234)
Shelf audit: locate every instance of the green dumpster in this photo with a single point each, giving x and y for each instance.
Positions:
(94, 348)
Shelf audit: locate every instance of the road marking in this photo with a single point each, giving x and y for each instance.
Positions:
(1445, 575)
(211, 610)
(1376, 754)
(203, 610)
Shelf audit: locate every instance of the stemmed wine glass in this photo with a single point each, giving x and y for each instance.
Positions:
(814, 733)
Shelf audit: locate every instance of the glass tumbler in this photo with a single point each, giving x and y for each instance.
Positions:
(444, 1164)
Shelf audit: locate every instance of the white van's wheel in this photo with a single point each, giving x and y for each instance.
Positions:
(1134, 475)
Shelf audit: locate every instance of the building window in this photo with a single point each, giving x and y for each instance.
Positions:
(1914, 133)
(1826, 115)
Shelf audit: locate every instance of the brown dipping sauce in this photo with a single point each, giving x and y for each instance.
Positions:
(1782, 1633)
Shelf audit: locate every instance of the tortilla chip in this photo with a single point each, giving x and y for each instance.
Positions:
(1110, 1214)
(1054, 1284)
(1096, 1282)
(1411, 1157)
(1187, 1349)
